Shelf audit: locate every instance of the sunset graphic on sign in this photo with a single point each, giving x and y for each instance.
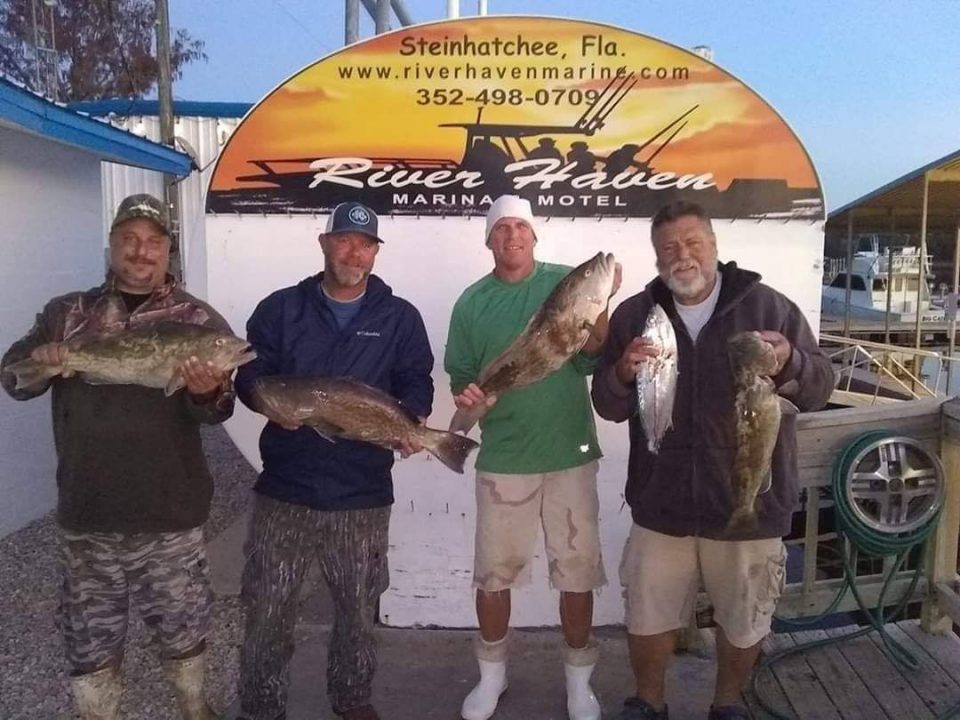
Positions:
(600, 100)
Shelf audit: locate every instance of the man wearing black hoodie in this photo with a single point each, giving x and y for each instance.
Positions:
(315, 498)
(680, 498)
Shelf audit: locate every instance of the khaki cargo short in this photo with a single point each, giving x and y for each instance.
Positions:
(509, 510)
(662, 575)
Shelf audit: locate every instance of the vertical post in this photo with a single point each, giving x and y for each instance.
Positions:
(922, 272)
(351, 22)
(36, 46)
(953, 319)
(481, 7)
(886, 317)
(165, 98)
(453, 9)
(54, 72)
(846, 306)
(941, 559)
(382, 20)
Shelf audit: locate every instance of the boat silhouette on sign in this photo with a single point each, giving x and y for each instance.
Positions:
(499, 158)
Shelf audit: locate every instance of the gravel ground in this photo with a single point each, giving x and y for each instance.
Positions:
(33, 682)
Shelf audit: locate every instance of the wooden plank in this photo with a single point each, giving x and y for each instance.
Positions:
(857, 417)
(945, 649)
(792, 605)
(810, 544)
(772, 692)
(937, 689)
(845, 688)
(800, 684)
(883, 680)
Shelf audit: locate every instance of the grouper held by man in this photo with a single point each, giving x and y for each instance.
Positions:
(555, 333)
(148, 355)
(347, 408)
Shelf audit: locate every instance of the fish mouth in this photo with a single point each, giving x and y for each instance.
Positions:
(245, 355)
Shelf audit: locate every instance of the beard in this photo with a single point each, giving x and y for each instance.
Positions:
(347, 276)
(687, 288)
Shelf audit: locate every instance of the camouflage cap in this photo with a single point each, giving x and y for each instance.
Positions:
(142, 205)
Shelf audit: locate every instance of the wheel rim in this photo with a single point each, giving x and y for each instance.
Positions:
(895, 485)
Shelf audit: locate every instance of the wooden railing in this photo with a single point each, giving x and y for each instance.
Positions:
(821, 437)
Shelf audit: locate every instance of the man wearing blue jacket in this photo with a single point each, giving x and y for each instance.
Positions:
(317, 498)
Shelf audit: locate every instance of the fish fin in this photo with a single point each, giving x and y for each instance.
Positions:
(452, 449)
(742, 522)
(327, 431)
(787, 407)
(465, 418)
(592, 330)
(30, 373)
(176, 382)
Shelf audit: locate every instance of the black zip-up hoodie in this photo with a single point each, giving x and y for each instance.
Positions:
(685, 488)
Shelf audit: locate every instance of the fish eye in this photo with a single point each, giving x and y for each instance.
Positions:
(221, 342)
(589, 273)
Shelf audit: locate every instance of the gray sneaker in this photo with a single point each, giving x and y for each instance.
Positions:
(636, 709)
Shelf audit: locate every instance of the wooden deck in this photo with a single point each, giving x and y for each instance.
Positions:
(856, 681)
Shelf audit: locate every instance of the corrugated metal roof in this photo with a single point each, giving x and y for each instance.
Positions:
(181, 108)
(899, 204)
(21, 108)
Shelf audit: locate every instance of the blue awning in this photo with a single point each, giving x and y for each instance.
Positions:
(151, 108)
(21, 108)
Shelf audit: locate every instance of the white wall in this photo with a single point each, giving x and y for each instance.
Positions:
(51, 235)
(430, 261)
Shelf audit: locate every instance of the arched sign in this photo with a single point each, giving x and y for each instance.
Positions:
(596, 125)
(583, 119)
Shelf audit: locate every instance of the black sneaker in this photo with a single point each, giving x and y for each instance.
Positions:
(728, 712)
(636, 709)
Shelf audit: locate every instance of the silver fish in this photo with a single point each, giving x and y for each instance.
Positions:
(346, 408)
(147, 355)
(555, 333)
(657, 379)
(757, 410)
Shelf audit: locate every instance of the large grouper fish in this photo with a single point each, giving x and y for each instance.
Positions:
(555, 333)
(757, 413)
(657, 378)
(148, 355)
(339, 407)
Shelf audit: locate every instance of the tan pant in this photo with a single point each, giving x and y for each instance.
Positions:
(662, 575)
(509, 509)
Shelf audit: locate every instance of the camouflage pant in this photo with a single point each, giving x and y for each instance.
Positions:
(351, 546)
(163, 575)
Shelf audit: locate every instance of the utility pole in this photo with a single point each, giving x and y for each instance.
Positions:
(165, 96)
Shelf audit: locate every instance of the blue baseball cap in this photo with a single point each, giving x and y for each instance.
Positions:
(353, 217)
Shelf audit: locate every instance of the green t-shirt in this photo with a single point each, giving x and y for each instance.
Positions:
(544, 427)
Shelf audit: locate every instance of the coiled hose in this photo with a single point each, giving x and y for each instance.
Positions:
(857, 537)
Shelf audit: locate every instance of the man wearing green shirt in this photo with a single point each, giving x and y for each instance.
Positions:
(537, 463)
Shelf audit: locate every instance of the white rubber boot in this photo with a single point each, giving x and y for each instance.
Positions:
(186, 677)
(482, 701)
(578, 665)
(97, 695)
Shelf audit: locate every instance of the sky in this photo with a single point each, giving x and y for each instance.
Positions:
(872, 89)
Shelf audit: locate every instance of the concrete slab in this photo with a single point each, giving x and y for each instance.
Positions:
(425, 674)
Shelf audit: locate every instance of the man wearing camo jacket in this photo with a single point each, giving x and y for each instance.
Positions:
(133, 485)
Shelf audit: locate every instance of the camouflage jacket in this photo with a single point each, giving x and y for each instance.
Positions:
(129, 458)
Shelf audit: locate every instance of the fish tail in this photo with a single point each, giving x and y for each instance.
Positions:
(450, 449)
(743, 521)
(465, 418)
(30, 373)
